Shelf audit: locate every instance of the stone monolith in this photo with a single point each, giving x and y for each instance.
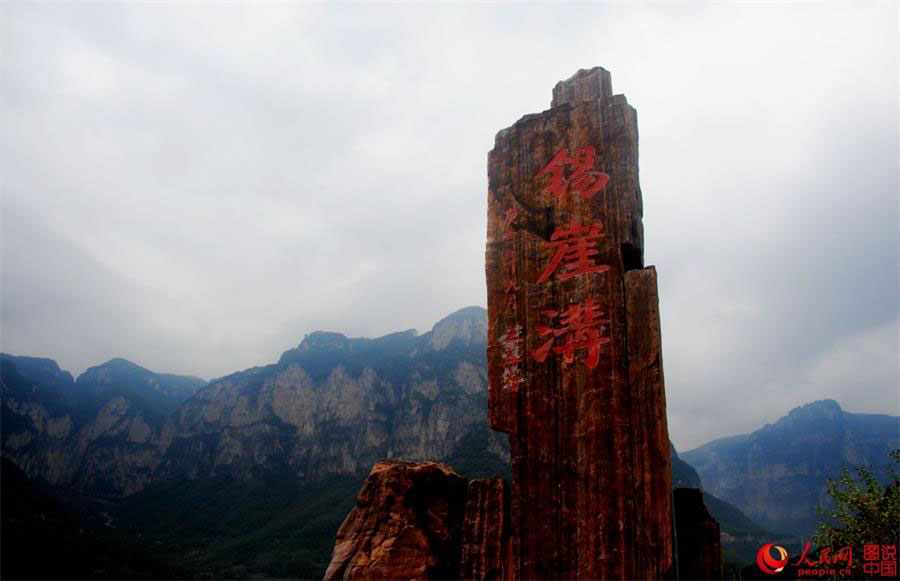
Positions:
(574, 359)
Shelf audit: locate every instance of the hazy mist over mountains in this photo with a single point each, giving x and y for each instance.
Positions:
(227, 231)
(271, 458)
(194, 187)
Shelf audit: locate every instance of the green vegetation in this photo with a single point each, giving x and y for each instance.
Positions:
(270, 526)
(473, 458)
(863, 511)
(42, 538)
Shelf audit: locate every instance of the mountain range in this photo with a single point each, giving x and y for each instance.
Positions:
(252, 473)
(777, 474)
(330, 406)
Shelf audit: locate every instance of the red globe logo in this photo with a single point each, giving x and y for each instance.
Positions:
(769, 564)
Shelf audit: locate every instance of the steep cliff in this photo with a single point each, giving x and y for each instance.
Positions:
(335, 405)
(99, 434)
(330, 406)
(777, 474)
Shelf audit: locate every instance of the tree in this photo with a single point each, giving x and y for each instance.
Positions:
(863, 512)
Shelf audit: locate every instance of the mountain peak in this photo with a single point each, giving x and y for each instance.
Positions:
(44, 363)
(324, 341)
(468, 325)
(823, 408)
(122, 363)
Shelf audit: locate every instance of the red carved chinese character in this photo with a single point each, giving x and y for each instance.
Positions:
(511, 299)
(575, 248)
(889, 568)
(872, 568)
(871, 553)
(580, 180)
(888, 552)
(509, 217)
(579, 325)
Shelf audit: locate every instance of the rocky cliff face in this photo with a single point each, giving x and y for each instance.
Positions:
(777, 474)
(335, 405)
(332, 405)
(100, 433)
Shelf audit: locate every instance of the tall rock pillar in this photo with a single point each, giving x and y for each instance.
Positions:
(574, 360)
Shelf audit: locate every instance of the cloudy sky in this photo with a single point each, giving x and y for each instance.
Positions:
(194, 187)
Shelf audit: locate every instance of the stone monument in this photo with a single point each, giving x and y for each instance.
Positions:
(574, 378)
(574, 359)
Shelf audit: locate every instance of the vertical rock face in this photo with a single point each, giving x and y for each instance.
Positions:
(421, 521)
(574, 364)
(699, 545)
(484, 534)
(332, 405)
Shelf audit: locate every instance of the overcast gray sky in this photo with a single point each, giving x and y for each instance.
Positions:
(196, 186)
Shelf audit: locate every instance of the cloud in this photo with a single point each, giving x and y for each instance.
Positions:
(228, 177)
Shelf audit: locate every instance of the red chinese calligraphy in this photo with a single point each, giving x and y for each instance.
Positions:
(574, 248)
(580, 326)
(511, 301)
(509, 217)
(572, 175)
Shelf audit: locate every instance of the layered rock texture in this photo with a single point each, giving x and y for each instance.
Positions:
(330, 406)
(421, 521)
(777, 474)
(574, 358)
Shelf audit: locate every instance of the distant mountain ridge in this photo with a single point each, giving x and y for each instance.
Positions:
(81, 433)
(777, 474)
(282, 439)
(331, 405)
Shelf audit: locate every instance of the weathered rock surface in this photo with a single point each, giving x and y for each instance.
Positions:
(574, 358)
(485, 533)
(421, 521)
(699, 545)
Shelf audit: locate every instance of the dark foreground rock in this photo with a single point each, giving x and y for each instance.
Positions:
(422, 521)
(699, 545)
